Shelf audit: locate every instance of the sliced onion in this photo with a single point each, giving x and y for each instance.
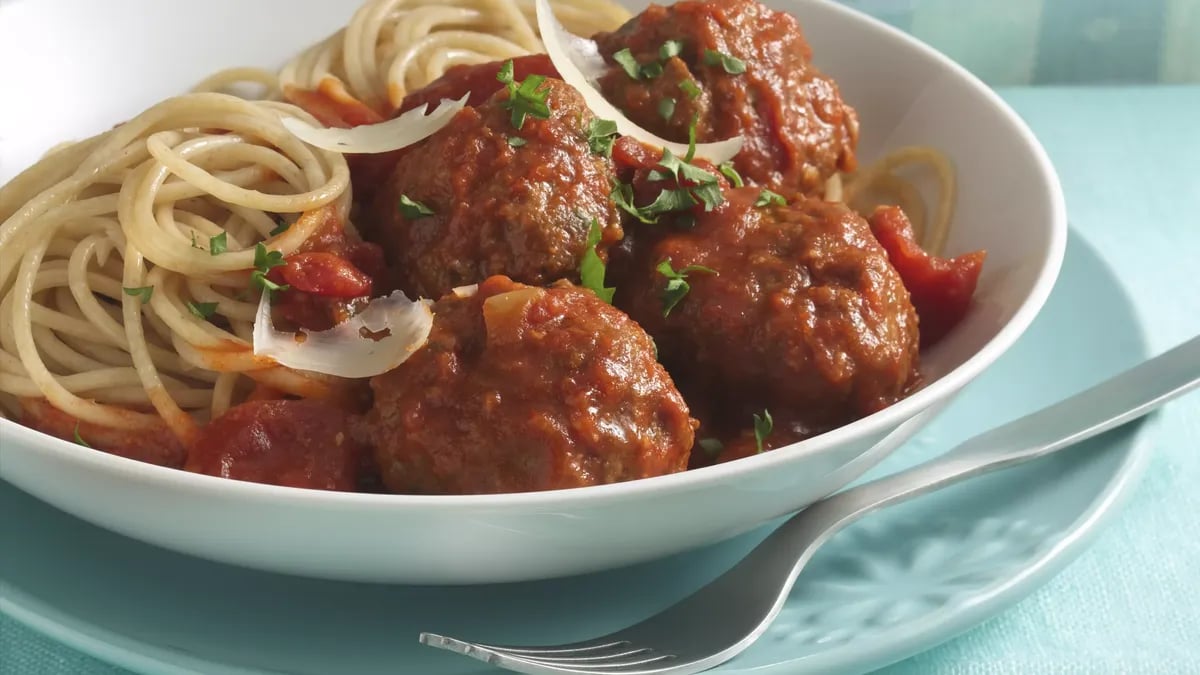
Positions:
(371, 139)
(377, 339)
(570, 59)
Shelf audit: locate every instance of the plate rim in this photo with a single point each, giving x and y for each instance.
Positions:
(893, 646)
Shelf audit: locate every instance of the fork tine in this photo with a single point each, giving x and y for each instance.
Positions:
(589, 647)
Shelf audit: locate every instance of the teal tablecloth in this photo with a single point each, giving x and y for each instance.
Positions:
(1129, 159)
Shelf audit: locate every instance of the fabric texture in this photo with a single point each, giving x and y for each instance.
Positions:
(1014, 42)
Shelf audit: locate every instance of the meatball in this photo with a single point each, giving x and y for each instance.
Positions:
(521, 388)
(497, 199)
(793, 308)
(304, 443)
(740, 68)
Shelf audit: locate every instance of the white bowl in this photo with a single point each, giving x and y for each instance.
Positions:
(112, 59)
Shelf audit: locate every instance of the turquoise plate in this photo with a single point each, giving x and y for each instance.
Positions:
(899, 582)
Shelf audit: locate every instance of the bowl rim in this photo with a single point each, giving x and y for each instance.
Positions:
(180, 481)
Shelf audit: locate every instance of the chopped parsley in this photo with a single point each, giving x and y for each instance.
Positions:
(524, 99)
(768, 198)
(677, 285)
(669, 49)
(727, 170)
(731, 65)
(592, 268)
(652, 70)
(762, 428)
(218, 244)
(666, 108)
(691, 153)
(412, 209)
(79, 439)
(704, 184)
(711, 446)
(202, 310)
(144, 292)
(690, 88)
(601, 135)
(622, 196)
(281, 226)
(624, 58)
(516, 142)
(265, 261)
(635, 70)
(668, 201)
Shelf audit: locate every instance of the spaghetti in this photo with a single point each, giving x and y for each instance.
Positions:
(125, 258)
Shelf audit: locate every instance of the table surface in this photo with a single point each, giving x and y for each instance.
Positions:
(1129, 159)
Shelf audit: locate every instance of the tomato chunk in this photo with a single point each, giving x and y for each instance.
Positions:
(303, 443)
(941, 288)
(325, 274)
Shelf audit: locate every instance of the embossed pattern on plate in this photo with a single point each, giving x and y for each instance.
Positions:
(898, 582)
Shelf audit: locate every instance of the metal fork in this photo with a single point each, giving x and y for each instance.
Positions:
(684, 639)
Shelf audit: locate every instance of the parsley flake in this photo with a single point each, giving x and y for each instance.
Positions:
(601, 135)
(768, 198)
(727, 170)
(144, 292)
(524, 99)
(516, 142)
(79, 439)
(622, 196)
(218, 244)
(669, 49)
(624, 58)
(691, 153)
(592, 268)
(666, 108)
(711, 446)
(281, 226)
(264, 262)
(731, 65)
(677, 285)
(651, 70)
(763, 426)
(202, 310)
(412, 209)
(690, 88)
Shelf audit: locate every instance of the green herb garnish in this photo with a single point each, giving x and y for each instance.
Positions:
(666, 108)
(218, 244)
(144, 292)
(265, 261)
(691, 153)
(624, 58)
(727, 170)
(79, 439)
(651, 70)
(592, 268)
(768, 198)
(732, 65)
(412, 209)
(677, 285)
(690, 88)
(622, 196)
(704, 189)
(281, 226)
(711, 446)
(669, 49)
(601, 135)
(516, 142)
(202, 310)
(762, 428)
(524, 99)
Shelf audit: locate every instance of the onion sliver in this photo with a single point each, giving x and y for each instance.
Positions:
(569, 59)
(377, 339)
(371, 139)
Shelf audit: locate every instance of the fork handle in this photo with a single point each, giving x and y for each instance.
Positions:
(1105, 406)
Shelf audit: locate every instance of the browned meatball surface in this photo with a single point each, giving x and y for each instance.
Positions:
(499, 200)
(522, 388)
(741, 68)
(801, 315)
